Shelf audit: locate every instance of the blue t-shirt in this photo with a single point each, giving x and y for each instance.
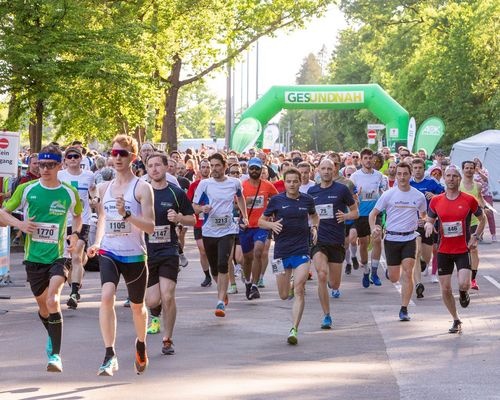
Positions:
(294, 237)
(328, 201)
(427, 184)
(164, 242)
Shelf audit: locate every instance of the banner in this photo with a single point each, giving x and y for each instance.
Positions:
(271, 134)
(9, 153)
(429, 134)
(246, 134)
(4, 252)
(412, 130)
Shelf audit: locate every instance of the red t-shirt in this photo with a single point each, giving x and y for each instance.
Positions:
(454, 217)
(391, 183)
(280, 186)
(190, 195)
(266, 191)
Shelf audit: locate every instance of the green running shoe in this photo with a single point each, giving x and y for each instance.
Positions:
(292, 336)
(154, 327)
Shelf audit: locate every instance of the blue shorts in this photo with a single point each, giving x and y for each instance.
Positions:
(249, 236)
(293, 262)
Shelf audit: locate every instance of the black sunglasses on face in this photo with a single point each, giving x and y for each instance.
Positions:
(73, 156)
(253, 168)
(47, 165)
(355, 156)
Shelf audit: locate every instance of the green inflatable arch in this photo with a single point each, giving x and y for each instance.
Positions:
(248, 132)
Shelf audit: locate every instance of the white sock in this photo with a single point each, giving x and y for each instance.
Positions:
(354, 251)
(365, 267)
(375, 265)
(348, 256)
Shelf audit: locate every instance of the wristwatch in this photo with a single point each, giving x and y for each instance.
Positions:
(127, 214)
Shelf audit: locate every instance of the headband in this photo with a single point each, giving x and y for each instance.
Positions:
(49, 156)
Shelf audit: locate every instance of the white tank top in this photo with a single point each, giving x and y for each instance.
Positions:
(122, 240)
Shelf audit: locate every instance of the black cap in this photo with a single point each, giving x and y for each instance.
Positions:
(440, 152)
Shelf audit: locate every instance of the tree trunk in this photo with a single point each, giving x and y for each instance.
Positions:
(140, 135)
(36, 127)
(169, 127)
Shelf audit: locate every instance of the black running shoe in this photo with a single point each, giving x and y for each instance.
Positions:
(72, 302)
(419, 289)
(423, 265)
(248, 288)
(456, 327)
(254, 293)
(348, 268)
(355, 263)
(207, 282)
(464, 299)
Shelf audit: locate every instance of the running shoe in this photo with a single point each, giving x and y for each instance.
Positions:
(48, 346)
(355, 263)
(494, 239)
(292, 336)
(473, 285)
(434, 278)
(375, 279)
(126, 303)
(348, 269)
(310, 276)
(291, 293)
(456, 327)
(260, 283)
(207, 282)
(168, 347)
(220, 310)
(72, 302)
(54, 364)
(464, 299)
(237, 269)
(108, 367)
(327, 322)
(254, 293)
(423, 265)
(335, 293)
(419, 290)
(366, 280)
(404, 316)
(154, 326)
(248, 288)
(140, 364)
(183, 260)
(233, 289)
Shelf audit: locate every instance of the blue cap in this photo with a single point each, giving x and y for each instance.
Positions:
(255, 162)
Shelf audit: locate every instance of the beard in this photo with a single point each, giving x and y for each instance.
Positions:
(255, 174)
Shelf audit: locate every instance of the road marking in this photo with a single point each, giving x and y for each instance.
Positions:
(492, 281)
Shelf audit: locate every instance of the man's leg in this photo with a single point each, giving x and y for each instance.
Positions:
(474, 256)
(376, 252)
(417, 270)
(335, 275)
(107, 315)
(265, 259)
(76, 274)
(204, 263)
(447, 294)
(258, 250)
(407, 281)
(320, 261)
(167, 288)
(283, 284)
(300, 274)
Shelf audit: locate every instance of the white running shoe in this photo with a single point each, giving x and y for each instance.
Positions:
(434, 278)
(183, 261)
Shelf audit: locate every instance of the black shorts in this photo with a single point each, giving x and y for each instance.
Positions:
(218, 251)
(166, 267)
(135, 275)
(425, 240)
(84, 234)
(334, 252)
(197, 233)
(447, 262)
(396, 252)
(362, 226)
(38, 275)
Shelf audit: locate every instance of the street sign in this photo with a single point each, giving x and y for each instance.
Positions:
(371, 141)
(9, 153)
(377, 127)
(372, 134)
(394, 133)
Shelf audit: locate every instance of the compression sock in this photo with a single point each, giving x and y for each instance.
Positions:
(348, 256)
(207, 274)
(45, 321)
(55, 331)
(110, 352)
(375, 266)
(75, 287)
(155, 311)
(141, 349)
(474, 273)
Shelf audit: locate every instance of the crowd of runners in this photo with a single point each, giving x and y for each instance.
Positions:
(395, 215)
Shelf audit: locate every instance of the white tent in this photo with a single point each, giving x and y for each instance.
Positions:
(486, 147)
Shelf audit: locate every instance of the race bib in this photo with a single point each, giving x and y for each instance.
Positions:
(221, 222)
(259, 202)
(160, 235)
(452, 229)
(277, 266)
(118, 227)
(46, 233)
(325, 211)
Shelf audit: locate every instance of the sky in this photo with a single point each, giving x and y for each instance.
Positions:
(280, 57)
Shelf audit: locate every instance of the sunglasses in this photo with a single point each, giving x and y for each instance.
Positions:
(355, 156)
(72, 156)
(47, 165)
(253, 168)
(120, 152)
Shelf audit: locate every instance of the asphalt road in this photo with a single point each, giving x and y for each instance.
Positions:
(368, 355)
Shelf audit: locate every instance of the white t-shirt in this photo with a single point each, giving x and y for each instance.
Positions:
(402, 211)
(82, 183)
(85, 163)
(220, 195)
(305, 188)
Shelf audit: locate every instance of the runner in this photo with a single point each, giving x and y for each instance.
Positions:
(305, 176)
(468, 185)
(291, 211)
(252, 239)
(47, 202)
(125, 213)
(331, 200)
(215, 198)
(171, 208)
(204, 174)
(453, 208)
(429, 187)
(403, 203)
(83, 181)
(369, 184)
